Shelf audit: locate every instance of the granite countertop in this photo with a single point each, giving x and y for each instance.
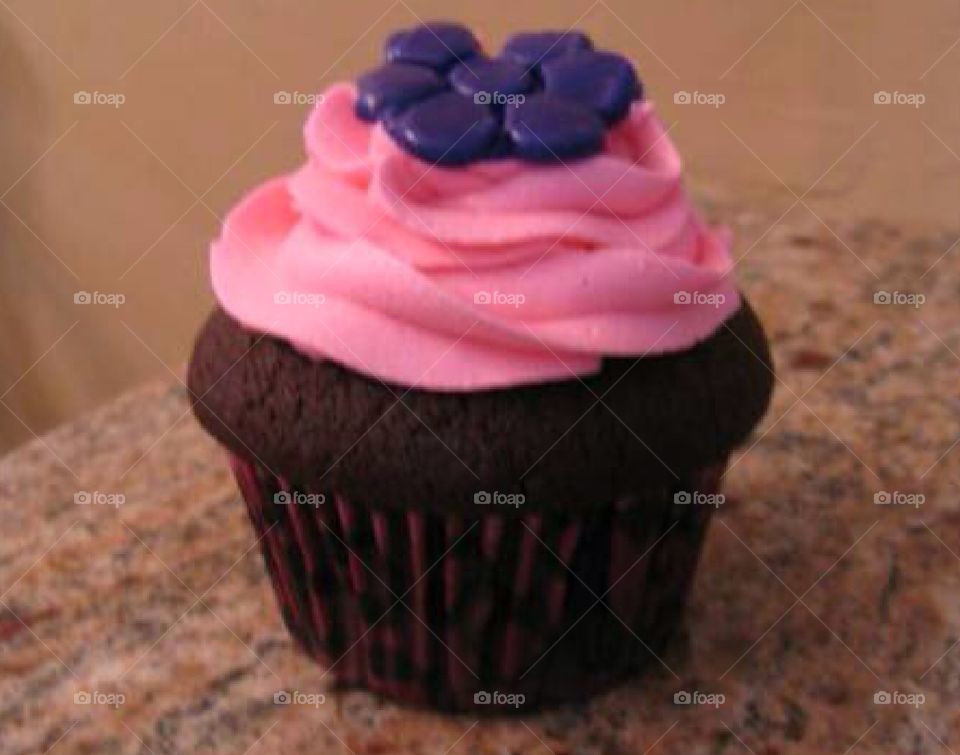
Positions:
(143, 623)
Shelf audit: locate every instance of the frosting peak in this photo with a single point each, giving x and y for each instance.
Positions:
(496, 274)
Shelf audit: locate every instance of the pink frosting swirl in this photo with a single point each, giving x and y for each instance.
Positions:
(502, 273)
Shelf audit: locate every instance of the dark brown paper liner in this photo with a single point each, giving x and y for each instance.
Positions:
(487, 612)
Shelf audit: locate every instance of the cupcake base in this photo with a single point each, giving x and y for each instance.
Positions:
(494, 612)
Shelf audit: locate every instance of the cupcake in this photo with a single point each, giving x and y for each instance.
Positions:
(478, 366)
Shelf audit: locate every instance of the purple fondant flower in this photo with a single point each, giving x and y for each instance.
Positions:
(549, 96)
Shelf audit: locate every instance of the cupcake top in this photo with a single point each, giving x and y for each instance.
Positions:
(465, 222)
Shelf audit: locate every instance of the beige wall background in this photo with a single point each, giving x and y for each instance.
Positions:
(123, 200)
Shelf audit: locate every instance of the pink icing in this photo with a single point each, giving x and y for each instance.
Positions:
(414, 274)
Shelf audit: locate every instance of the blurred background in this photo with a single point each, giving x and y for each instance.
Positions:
(130, 129)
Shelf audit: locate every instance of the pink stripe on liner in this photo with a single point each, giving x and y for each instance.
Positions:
(386, 633)
(490, 537)
(347, 656)
(418, 566)
(272, 546)
(311, 551)
(531, 533)
(358, 576)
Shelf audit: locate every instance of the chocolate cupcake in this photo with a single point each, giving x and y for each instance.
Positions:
(479, 366)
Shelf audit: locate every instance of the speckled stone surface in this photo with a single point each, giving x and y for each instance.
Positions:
(811, 598)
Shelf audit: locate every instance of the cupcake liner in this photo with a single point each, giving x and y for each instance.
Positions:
(484, 612)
